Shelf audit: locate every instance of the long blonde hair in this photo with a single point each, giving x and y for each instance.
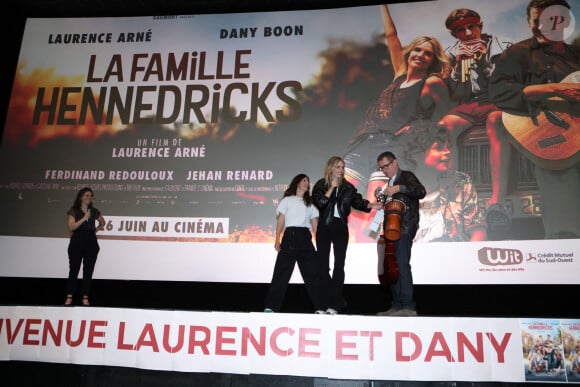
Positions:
(330, 165)
(440, 66)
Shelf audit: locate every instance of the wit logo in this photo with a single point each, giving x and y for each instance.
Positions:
(496, 257)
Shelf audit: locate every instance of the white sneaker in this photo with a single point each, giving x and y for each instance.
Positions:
(331, 311)
(388, 312)
(320, 312)
(405, 313)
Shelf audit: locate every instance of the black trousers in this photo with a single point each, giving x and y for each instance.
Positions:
(296, 247)
(335, 234)
(83, 249)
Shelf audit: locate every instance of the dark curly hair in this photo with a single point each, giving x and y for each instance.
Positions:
(78, 199)
(293, 187)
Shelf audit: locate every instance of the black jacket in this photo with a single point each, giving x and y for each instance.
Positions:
(346, 197)
(411, 190)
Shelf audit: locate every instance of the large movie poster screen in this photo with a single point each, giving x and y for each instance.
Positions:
(189, 128)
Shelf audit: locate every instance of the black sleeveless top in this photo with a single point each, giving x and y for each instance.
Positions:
(396, 107)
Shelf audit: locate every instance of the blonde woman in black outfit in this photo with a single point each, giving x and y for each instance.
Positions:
(334, 197)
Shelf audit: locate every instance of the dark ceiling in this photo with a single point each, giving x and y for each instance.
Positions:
(56, 8)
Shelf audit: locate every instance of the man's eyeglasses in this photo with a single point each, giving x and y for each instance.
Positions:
(383, 167)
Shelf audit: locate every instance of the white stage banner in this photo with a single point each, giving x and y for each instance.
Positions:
(337, 347)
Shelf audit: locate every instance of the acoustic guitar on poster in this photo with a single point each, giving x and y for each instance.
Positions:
(552, 138)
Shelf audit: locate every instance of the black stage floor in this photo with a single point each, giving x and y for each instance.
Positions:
(541, 301)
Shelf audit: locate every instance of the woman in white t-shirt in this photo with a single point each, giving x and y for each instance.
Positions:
(297, 219)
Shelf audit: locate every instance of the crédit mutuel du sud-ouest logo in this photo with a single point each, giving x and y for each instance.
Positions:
(502, 259)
